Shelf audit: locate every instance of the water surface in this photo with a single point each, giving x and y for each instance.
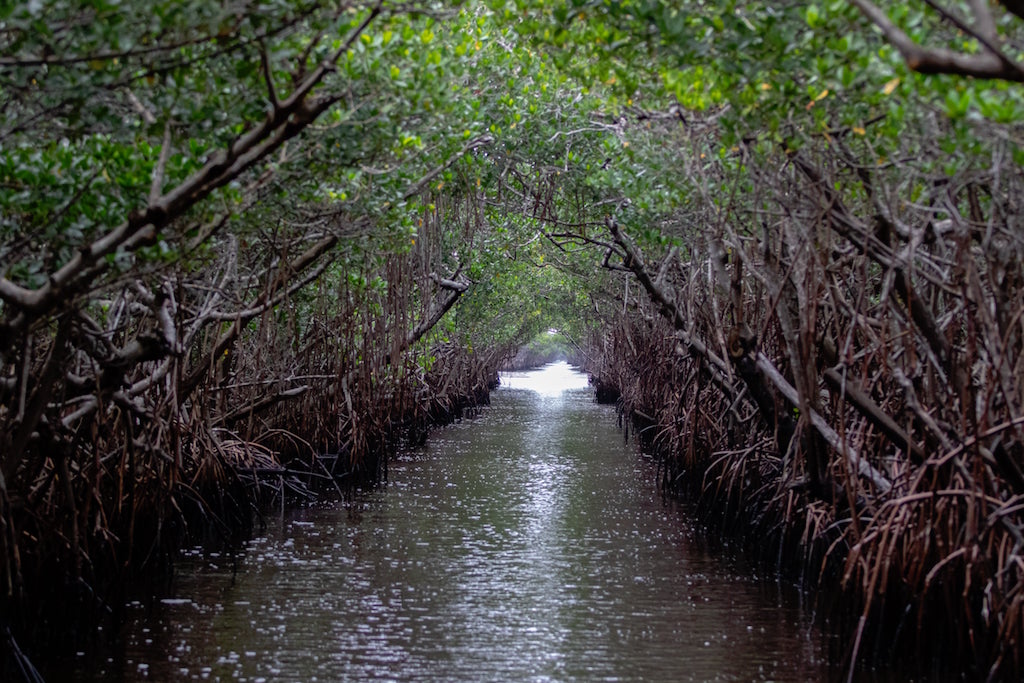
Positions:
(530, 544)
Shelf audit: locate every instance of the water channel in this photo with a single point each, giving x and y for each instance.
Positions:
(529, 544)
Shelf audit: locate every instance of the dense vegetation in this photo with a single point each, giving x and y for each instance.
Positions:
(547, 347)
(235, 238)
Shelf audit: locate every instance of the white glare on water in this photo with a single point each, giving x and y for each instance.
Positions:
(551, 380)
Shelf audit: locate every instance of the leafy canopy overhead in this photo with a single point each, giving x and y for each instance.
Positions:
(110, 106)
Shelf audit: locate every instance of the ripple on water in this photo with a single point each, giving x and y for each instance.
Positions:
(529, 544)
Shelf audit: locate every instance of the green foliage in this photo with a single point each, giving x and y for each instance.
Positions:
(440, 145)
(558, 90)
(547, 347)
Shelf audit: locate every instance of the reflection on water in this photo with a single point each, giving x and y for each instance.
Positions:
(527, 545)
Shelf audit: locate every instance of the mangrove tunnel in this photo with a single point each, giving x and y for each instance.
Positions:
(250, 250)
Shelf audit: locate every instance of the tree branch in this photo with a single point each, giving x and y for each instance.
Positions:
(634, 261)
(280, 124)
(788, 391)
(991, 63)
(1015, 7)
(268, 76)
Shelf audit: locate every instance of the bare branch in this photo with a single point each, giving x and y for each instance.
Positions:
(143, 110)
(268, 76)
(983, 21)
(830, 435)
(988, 64)
(422, 183)
(459, 285)
(157, 186)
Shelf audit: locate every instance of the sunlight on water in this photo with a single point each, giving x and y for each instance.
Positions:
(551, 380)
(530, 544)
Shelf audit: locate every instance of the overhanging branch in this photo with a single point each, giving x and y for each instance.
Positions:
(990, 63)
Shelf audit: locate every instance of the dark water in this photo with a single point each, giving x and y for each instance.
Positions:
(527, 545)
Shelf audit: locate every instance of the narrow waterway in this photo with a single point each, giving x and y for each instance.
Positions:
(530, 544)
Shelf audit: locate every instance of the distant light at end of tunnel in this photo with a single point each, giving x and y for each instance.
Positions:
(549, 381)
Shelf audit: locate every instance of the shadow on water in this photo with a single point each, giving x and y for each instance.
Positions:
(530, 544)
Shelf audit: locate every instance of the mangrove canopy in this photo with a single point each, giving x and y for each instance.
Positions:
(245, 245)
